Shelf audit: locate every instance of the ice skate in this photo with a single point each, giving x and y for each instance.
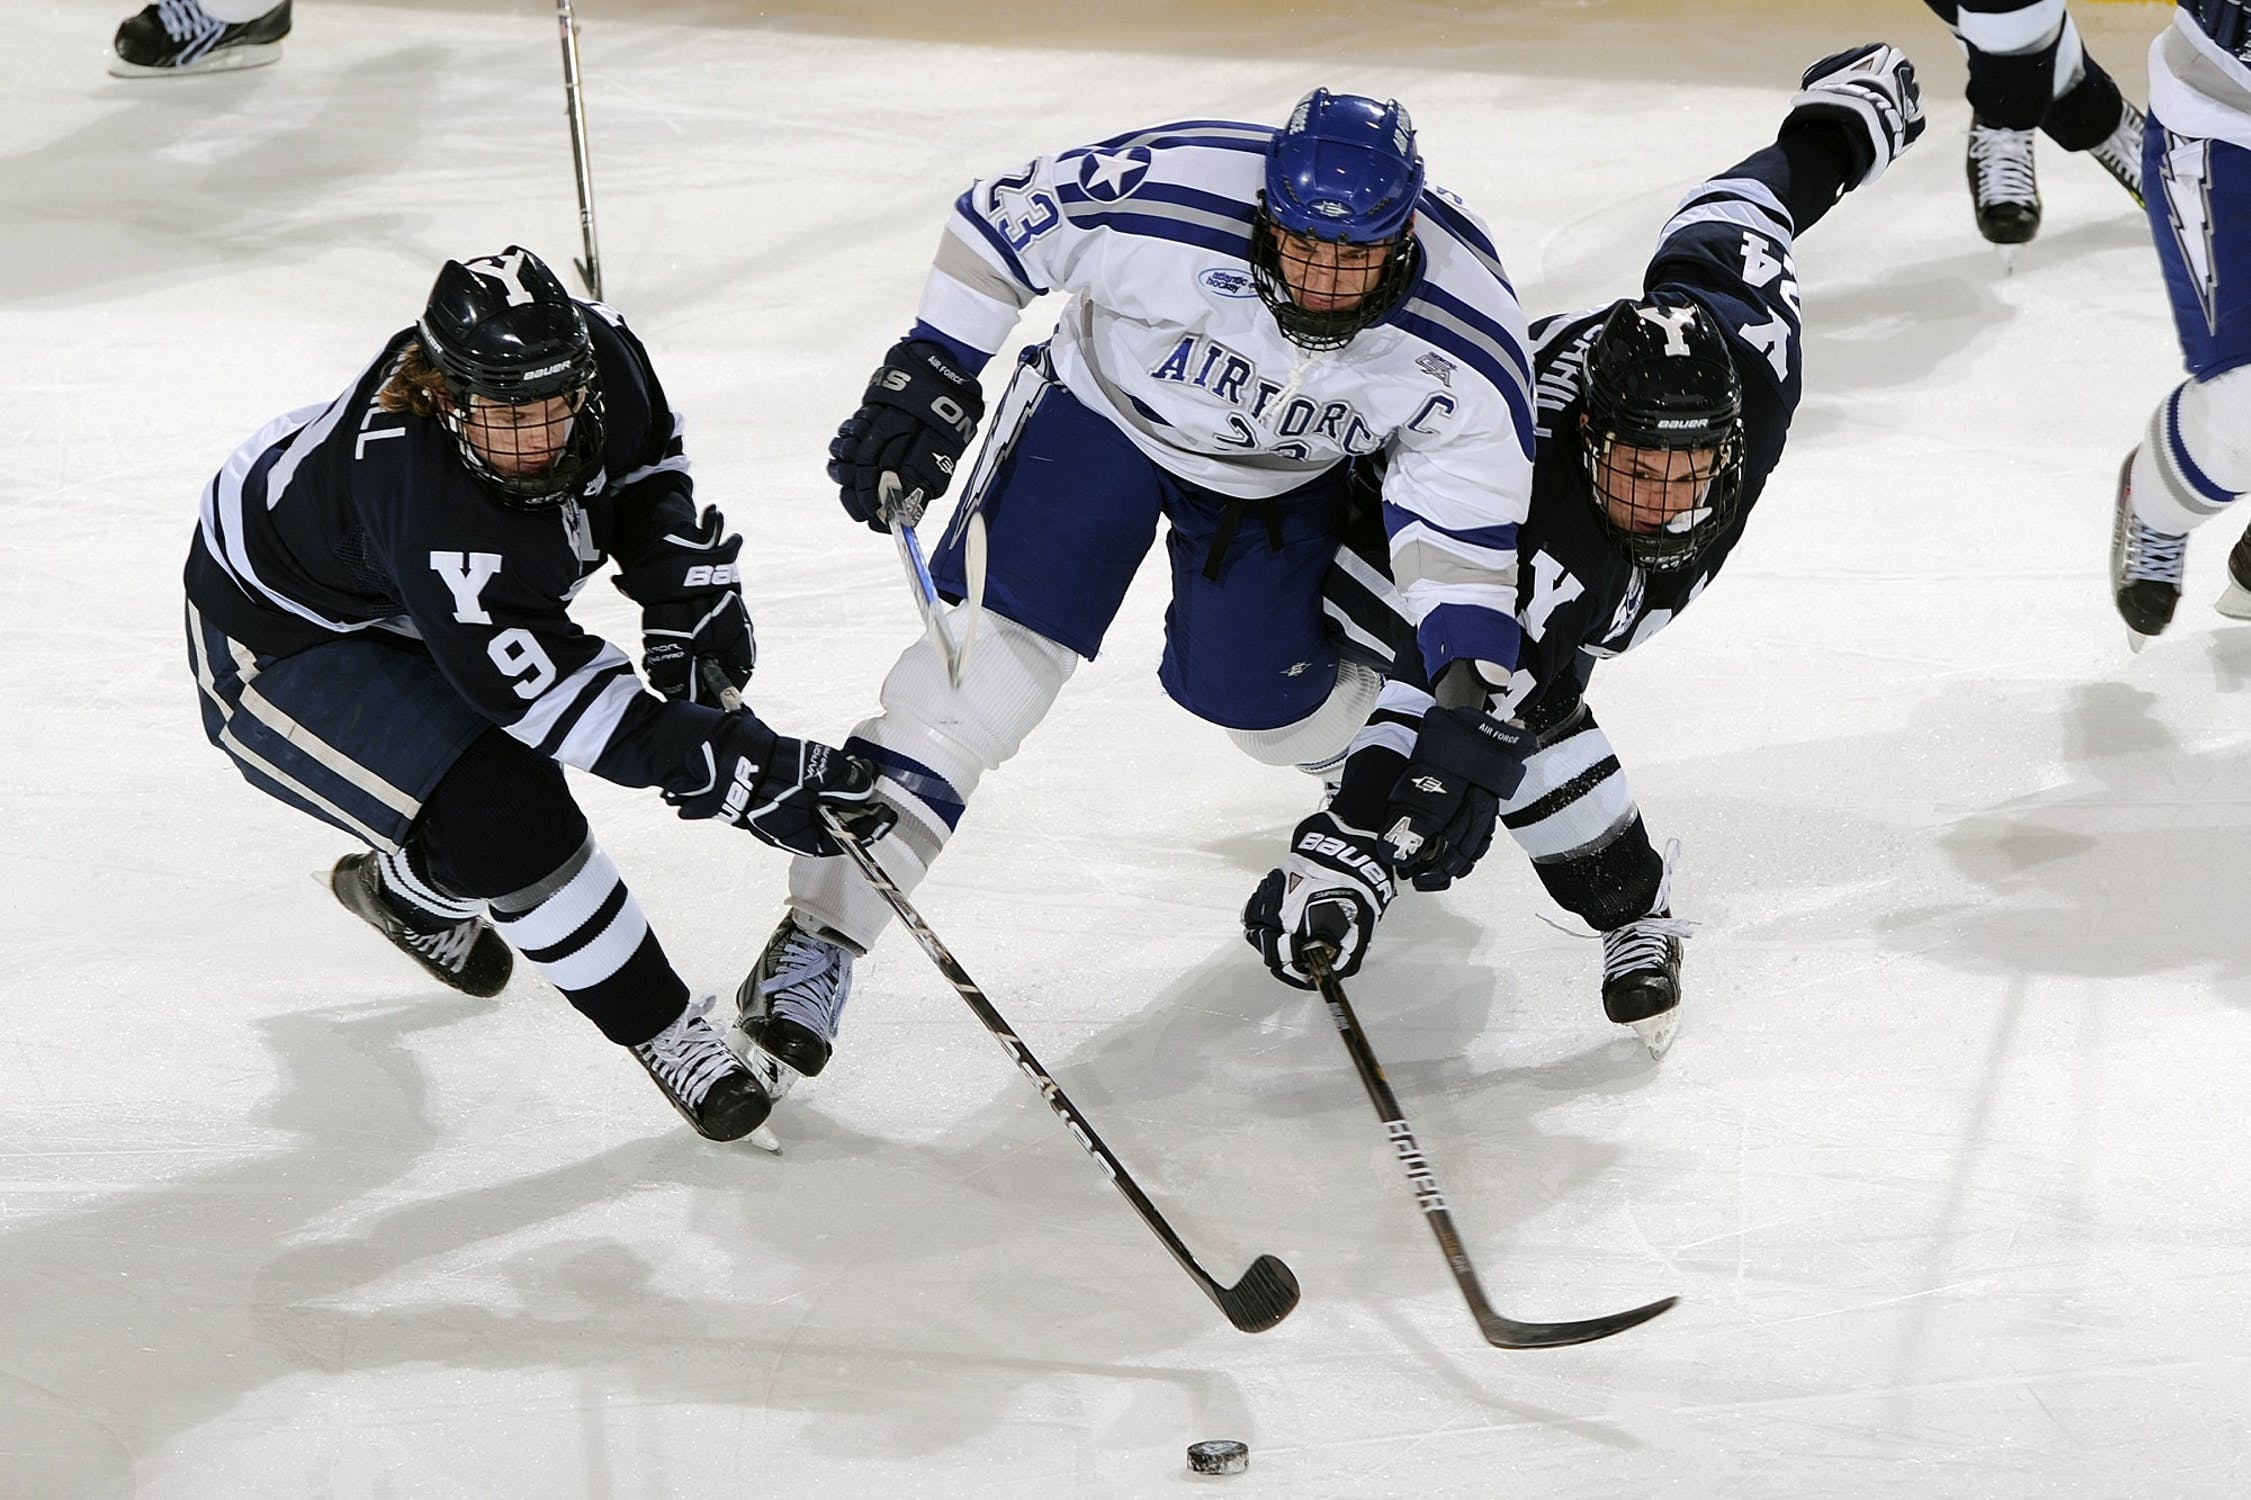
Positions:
(2004, 192)
(1641, 967)
(707, 1083)
(788, 1010)
(2145, 567)
(466, 955)
(2236, 602)
(174, 37)
(2120, 152)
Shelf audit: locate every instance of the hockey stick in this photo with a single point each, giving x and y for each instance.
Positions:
(904, 511)
(1268, 1289)
(589, 269)
(1500, 1332)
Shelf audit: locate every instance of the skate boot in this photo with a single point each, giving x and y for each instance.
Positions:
(2003, 190)
(2236, 602)
(2120, 152)
(177, 36)
(2145, 567)
(1641, 967)
(708, 1084)
(788, 1010)
(465, 954)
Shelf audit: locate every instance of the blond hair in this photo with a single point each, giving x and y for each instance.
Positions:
(415, 385)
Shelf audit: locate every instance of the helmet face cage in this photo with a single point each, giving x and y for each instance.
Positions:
(1343, 171)
(1663, 432)
(524, 403)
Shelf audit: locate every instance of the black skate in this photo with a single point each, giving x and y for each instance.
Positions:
(708, 1084)
(176, 36)
(466, 955)
(1641, 967)
(2145, 566)
(2236, 602)
(2120, 152)
(788, 1010)
(2004, 192)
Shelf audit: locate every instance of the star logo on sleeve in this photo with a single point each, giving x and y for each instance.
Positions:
(1108, 176)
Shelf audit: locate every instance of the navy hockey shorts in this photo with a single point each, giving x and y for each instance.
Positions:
(2198, 194)
(357, 732)
(1071, 507)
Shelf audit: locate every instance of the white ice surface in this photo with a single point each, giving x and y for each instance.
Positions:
(1947, 1166)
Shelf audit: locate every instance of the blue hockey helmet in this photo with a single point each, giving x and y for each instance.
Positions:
(503, 332)
(1344, 168)
(1343, 173)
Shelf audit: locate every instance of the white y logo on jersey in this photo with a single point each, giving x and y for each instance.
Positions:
(508, 270)
(1676, 321)
(1553, 586)
(466, 574)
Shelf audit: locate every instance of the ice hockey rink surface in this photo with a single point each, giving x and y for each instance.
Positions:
(1947, 1166)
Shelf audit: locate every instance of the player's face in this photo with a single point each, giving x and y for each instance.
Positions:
(1649, 490)
(1325, 276)
(523, 440)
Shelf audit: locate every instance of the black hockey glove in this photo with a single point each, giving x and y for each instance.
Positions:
(692, 612)
(1870, 92)
(919, 413)
(1331, 891)
(751, 777)
(1445, 804)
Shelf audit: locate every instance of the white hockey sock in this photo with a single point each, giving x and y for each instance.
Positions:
(2195, 457)
(933, 744)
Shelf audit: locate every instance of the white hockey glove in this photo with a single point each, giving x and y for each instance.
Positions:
(1869, 90)
(1330, 891)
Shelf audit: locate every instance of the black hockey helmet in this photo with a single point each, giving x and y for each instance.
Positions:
(503, 329)
(1659, 378)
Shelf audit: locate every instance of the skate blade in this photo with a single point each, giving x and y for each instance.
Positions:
(2235, 603)
(1657, 1032)
(765, 1140)
(776, 1077)
(229, 60)
(2008, 254)
(2136, 642)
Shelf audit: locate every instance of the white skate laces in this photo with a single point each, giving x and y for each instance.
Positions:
(2002, 160)
(185, 21)
(808, 983)
(687, 1057)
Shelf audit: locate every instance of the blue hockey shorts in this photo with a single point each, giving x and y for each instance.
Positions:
(2198, 194)
(1070, 508)
(357, 732)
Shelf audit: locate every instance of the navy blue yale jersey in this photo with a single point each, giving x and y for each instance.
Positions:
(344, 518)
(1579, 596)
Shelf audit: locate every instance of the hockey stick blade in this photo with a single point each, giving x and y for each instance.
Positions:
(1267, 1291)
(1500, 1332)
(1262, 1298)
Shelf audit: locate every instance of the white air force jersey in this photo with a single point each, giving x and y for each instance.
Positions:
(1163, 332)
(2198, 86)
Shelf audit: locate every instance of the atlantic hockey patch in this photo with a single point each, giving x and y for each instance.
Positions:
(1229, 282)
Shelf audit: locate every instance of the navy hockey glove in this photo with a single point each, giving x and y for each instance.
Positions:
(1445, 804)
(692, 612)
(774, 786)
(919, 413)
(1330, 892)
(1870, 92)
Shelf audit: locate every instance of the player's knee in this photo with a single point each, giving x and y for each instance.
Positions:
(501, 819)
(1318, 741)
(1012, 680)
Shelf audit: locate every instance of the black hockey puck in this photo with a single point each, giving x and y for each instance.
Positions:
(1218, 1456)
